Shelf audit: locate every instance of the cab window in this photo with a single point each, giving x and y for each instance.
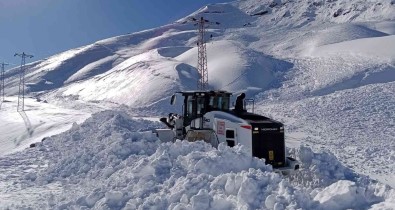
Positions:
(200, 106)
(190, 106)
(213, 103)
(225, 103)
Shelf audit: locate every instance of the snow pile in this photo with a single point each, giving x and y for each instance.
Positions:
(341, 195)
(109, 161)
(113, 153)
(335, 186)
(320, 169)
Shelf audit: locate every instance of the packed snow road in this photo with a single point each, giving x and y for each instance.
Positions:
(37, 121)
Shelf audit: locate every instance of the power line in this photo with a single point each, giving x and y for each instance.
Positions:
(21, 94)
(2, 80)
(2, 83)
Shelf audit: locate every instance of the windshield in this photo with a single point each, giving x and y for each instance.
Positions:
(219, 102)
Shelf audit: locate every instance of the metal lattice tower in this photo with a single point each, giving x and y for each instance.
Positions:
(2, 80)
(21, 95)
(202, 52)
(202, 56)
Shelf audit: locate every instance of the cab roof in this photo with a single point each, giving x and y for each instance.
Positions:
(208, 92)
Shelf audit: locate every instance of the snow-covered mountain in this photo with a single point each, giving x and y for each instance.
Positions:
(325, 68)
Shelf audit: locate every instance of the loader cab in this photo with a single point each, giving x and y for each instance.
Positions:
(198, 103)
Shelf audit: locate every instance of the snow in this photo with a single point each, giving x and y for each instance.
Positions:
(112, 86)
(118, 164)
(379, 48)
(340, 195)
(238, 68)
(323, 68)
(385, 27)
(36, 122)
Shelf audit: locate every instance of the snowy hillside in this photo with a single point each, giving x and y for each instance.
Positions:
(324, 68)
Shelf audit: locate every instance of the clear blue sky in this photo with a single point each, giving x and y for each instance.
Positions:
(47, 27)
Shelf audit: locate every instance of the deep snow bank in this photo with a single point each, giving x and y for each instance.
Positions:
(110, 161)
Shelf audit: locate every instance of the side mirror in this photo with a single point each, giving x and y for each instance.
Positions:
(173, 99)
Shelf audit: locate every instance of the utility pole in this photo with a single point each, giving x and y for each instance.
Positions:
(202, 51)
(2, 81)
(21, 95)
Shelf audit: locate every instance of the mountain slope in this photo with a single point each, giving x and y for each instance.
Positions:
(323, 68)
(248, 38)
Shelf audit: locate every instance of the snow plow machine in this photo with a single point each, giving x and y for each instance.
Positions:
(206, 115)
